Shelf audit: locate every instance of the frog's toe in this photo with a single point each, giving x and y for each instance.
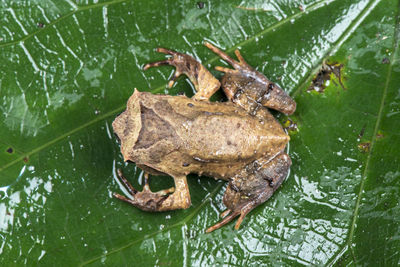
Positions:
(125, 182)
(230, 214)
(183, 63)
(157, 64)
(226, 70)
(205, 84)
(227, 218)
(147, 201)
(238, 65)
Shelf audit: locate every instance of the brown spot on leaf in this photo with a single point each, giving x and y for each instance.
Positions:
(290, 125)
(26, 159)
(385, 60)
(40, 24)
(319, 82)
(364, 147)
(361, 134)
(10, 150)
(200, 5)
(379, 135)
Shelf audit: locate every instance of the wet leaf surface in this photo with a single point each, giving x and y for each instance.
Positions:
(67, 69)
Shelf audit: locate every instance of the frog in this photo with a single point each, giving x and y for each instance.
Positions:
(237, 140)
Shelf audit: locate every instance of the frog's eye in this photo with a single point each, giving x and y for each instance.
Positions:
(270, 87)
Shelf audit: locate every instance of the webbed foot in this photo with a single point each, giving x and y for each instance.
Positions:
(204, 82)
(252, 187)
(156, 201)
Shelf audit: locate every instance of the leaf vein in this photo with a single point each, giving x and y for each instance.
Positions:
(61, 18)
(378, 121)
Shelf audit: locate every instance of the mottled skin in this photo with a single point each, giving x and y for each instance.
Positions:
(238, 140)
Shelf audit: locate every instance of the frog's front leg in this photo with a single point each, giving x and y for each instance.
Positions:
(204, 82)
(157, 201)
(251, 187)
(246, 86)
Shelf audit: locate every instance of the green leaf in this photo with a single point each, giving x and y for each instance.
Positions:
(68, 67)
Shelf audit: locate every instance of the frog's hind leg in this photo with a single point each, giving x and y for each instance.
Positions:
(157, 201)
(204, 82)
(180, 199)
(252, 187)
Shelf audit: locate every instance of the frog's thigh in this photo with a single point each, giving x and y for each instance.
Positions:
(207, 83)
(180, 199)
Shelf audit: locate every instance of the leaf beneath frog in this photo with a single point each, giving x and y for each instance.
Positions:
(68, 67)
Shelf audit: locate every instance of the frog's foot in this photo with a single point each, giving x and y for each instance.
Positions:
(145, 200)
(156, 201)
(252, 187)
(204, 82)
(239, 66)
(244, 82)
(228, 215)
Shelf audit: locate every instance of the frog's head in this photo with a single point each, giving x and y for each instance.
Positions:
(128, 124)
(256, 86)
(276, 98)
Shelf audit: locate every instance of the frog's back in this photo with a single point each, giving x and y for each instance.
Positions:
(224, 132)
(160, 130)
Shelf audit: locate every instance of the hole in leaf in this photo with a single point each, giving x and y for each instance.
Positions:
(364, 147)
(319, 83)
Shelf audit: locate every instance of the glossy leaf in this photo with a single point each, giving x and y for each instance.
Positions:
(68, 67)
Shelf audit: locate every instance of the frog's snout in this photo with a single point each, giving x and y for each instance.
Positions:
(119, 126)
(276, 98)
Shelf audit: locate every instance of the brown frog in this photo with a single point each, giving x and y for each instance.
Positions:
(238, 141)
